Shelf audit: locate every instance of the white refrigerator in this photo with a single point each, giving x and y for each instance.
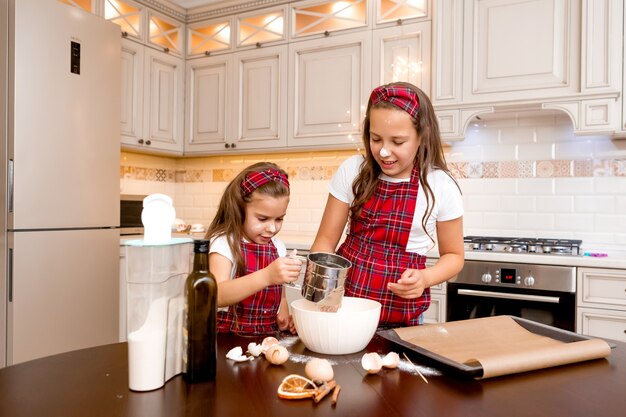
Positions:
(60, 108)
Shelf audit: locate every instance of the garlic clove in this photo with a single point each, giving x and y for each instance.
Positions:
(236, 354)
(277, 354)
(372, 362)
(267, 342)
(319, 370)
(255, 349)
(391, 360)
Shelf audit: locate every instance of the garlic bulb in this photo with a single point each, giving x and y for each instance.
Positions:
(319, 370)
(372, 362)
(391, 360)
(267, 342)
(277, 354)
(255, 349)
(236, 354)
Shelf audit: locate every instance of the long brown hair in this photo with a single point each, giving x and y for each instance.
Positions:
(429, 154)
(231, 212)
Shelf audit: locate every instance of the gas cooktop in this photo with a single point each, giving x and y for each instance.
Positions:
(523, 245)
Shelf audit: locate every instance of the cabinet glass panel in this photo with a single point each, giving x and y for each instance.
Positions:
(126, 16)
(262, 28)
(329, 16)
(81, 4)
(392, 10)
(209, 37)
(165, 33)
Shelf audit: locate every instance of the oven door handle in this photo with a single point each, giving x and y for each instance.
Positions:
(510, 296)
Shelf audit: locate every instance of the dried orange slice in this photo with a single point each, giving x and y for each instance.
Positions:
(295, 387)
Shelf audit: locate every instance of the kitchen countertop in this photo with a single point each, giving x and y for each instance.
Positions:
(94, 382)
(615, 259)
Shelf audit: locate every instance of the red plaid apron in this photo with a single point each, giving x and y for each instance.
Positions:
(376, 246)
(257, 313)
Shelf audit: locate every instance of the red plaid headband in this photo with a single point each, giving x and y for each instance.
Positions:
(403, 97)
(256, 179)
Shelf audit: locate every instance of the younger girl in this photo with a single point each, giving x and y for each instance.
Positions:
(396, 197)
(248, 262)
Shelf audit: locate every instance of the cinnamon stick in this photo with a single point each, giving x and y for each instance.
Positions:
(333, 399)
(324, 390)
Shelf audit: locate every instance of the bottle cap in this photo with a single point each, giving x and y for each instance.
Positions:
(201, 246)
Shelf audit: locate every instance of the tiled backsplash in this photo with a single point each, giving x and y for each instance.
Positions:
(521, 174)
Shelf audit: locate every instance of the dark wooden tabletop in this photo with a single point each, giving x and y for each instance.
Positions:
(94, 382)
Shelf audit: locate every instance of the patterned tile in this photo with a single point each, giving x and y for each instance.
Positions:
(458, 169)
(509, 169)
(583, 168)
(490, 169)
(308, 170)
(545, 169)
(562, 168)
(304, 173)
(329, 172)
(619, 167)
(317, 173)
(601, 168)
(526, 169)
(474, 170)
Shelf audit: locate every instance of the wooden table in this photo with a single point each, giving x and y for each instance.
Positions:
(94, 382)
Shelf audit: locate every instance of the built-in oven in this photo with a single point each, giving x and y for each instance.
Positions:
(131, 207)
(542, 293)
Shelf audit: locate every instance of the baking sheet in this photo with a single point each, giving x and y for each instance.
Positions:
(495, 346)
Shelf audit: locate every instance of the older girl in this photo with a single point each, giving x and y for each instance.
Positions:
(397, 198)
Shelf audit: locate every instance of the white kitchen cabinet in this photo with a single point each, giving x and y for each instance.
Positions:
(436, 313)
(267, 26)
(552, 54)
(315, 17)
(163, 102)
(330, 82)
(237, 101)
(209, 37)
(610, 324)
(165, 33)
(132, 92)
(400, 10)
(601, 302)
(130, 16)
(402, 53)
(152, 100)
(520, 49)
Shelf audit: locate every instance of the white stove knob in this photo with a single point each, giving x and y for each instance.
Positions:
(486, 278)
(529, 281)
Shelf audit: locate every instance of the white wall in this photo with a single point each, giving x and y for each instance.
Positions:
(522, 174)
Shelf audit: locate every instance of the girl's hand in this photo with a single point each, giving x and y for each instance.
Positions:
(285, 323)
(410, 285)
(284, 270)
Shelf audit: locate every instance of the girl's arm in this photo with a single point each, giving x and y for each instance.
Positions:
(451, 258)
(332, 225)
(231, 291)
(451, 252)
(284, 319)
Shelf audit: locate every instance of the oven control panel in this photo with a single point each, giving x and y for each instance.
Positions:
(540, 277)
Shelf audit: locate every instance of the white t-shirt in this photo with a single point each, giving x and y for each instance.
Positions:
(448, 201)
(220, 245)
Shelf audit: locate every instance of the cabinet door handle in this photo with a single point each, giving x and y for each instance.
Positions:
(227, 145)
(140, 141)
(233, 145)
(11, 180)
(148, 142)
(10, 274)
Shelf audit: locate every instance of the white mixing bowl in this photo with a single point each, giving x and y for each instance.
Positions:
(348, 330)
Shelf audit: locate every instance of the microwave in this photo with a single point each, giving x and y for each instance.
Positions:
(131, 207)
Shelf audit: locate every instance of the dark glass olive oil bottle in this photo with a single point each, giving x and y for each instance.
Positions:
(200, 329)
